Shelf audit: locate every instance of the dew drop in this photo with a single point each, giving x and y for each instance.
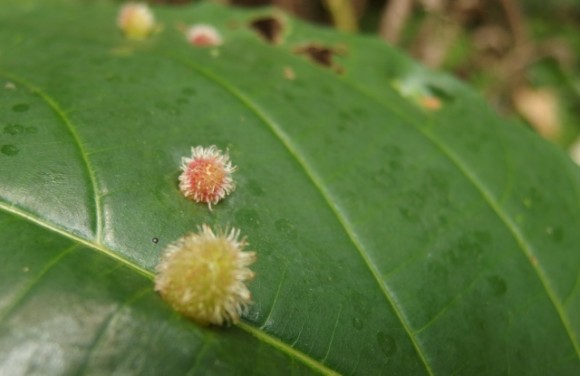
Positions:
(387, 344)
(22, 107)
(289, 97)
(98, 61)
(395, 165)
(9, 150)
(286, 227)
(359, 113)
(327, 91)
(155, 240)
(255, 188)
(361, 303)
(384, 178)
(483, 237)
(498, 285)
(182, 101)
(248, 217)
(437, 270)
(555, 233)
(51, 176)
(114, 78)
(16, 129)
(410, 215)
(188, 91)
(166, 107)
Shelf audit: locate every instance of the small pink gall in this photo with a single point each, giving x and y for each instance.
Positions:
(202, 35)
(206, 175)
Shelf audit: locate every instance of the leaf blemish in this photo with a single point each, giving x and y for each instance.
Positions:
(321, 55)
(430, 103)
(269, 28)
(289, 73)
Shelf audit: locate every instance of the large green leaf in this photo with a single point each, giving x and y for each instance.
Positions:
(391, 239)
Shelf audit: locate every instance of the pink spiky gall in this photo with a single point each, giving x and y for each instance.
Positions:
(207, 175)
(202, 35)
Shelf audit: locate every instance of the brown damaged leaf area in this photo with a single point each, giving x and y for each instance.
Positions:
(322, 55)
(269, 28)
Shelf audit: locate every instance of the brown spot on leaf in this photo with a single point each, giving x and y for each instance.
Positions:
(270, 28)
(289, 73)
(321, 55)
(431, 103)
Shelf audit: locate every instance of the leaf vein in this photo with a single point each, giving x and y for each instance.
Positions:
(518, 236)
(55, 106)
(37, 278)
(275, 297)
(333, 334)
(105, 325)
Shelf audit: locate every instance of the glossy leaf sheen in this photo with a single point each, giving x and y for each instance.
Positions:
(391, 239)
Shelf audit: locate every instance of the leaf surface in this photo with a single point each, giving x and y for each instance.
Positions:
(390, 238)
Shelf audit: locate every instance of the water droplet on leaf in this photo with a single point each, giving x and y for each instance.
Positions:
(498, 285)
(387, 344)
(248, 217)
(14, 129)
(22, 107)
(286, 227)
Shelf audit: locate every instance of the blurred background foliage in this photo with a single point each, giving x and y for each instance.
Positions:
(521, 54)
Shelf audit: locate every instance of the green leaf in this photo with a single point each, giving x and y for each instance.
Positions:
(391, 238)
